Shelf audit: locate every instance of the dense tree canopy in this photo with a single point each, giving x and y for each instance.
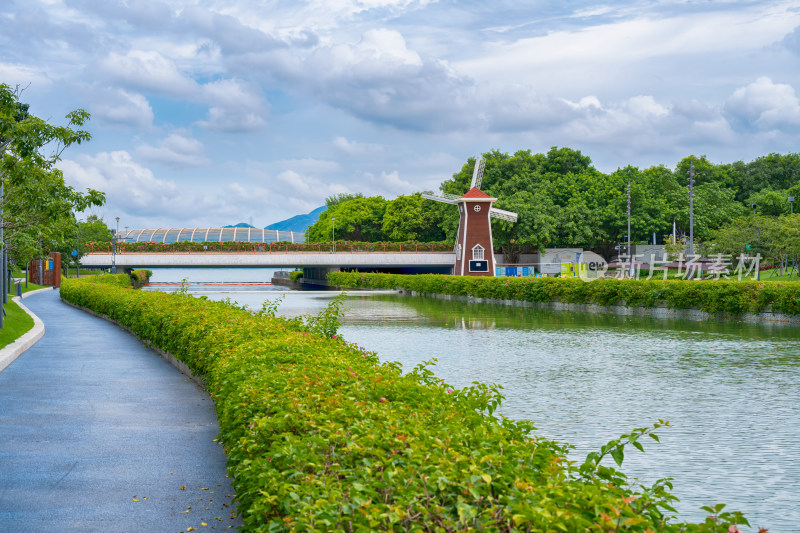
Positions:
(775, 239)
(562, 200)
(356, 219)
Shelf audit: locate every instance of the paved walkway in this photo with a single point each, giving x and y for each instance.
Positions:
(99, 433)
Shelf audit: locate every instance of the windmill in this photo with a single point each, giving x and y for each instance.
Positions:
(474, 245)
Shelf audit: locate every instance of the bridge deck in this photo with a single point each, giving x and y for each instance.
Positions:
(271, 260)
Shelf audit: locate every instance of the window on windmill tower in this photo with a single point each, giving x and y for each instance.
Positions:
(477, 253)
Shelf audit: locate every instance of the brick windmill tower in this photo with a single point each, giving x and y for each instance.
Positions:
(474, 244)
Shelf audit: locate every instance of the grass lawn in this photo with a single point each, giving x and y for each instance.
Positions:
(31, 287)
(12, 290)
(15, 324)
(774, 275)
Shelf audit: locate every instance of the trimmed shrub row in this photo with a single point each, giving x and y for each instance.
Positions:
(713, 296)
(322, 436)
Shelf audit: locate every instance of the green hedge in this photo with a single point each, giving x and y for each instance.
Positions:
(713, 296)
(322, 436)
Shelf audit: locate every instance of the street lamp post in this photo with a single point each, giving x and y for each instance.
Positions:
(114, 249)
(791, 205)
(691, 209)
(630, 252)
(333, 234)
(754, 208)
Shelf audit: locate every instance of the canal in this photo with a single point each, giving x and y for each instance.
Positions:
(729, 389)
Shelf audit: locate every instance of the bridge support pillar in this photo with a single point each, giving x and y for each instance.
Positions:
(317, 275)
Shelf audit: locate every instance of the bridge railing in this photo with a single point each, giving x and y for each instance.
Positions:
(275, 247)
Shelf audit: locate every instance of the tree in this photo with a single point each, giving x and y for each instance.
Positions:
(37, 204)
(533, 230)
(410, 218)
(769, 202)
(357, 219)
(773, 171)
(79, 234)
(337, 199)
(715, 205)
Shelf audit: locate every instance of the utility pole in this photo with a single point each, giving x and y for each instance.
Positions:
(691, 209)
(333, 234)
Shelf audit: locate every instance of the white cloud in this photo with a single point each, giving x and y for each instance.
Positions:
(765, 104)
(249, 197)
(121, 107)
(236, 106)
(124, 181)
(616, 52)
(356, 148)
(624, 120)
(139, 198)
(177, 151)
(380, 79)
(320, 168)
(18, 74)
(388, 184)
(148, 69)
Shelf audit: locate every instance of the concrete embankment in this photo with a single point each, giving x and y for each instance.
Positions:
(662, 311)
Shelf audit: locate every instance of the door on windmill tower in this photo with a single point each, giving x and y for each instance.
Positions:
(478, 263)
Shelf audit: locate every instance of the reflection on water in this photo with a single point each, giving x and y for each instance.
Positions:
(729, 389)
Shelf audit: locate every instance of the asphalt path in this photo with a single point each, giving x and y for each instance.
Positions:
(99, 433)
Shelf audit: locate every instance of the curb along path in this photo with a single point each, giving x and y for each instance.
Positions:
(99, 433)
(8, 354)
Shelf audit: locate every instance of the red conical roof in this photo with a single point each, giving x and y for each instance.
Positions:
(476, 193)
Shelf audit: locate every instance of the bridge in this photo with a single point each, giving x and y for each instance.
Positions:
(315, 265)
(360, 260)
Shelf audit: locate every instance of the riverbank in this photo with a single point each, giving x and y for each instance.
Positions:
(660, 311)
(775, 303)
(318, 431)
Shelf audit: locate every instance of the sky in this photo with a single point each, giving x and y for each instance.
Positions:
(211, 112)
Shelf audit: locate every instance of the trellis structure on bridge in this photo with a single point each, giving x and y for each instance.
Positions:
(173, 235)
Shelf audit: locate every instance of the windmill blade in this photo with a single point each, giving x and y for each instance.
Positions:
(502, 214)
(440, 197)
(477, 173)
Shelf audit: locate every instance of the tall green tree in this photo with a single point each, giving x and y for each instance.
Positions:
(410, 218)
(773, 171)
(357, 219)
(715, 205)
(37, 204)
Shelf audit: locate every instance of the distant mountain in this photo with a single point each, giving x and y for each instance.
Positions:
(298, 223)
(240, 225)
